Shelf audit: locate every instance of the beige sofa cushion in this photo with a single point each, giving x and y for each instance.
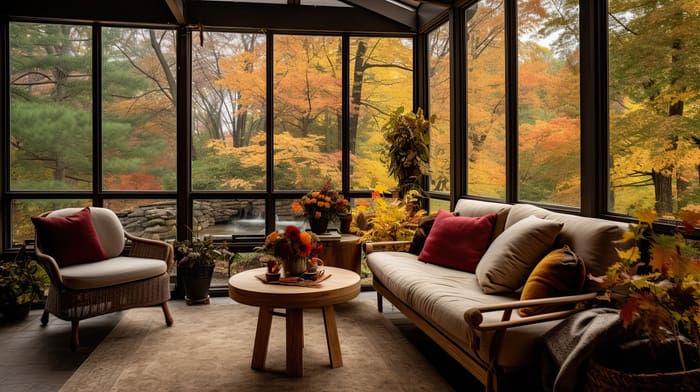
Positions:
(442, 295)
(591, 239)
(110, 272)
(511, 257)
(476, 208)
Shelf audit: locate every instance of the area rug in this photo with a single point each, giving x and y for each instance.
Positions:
(209, 348)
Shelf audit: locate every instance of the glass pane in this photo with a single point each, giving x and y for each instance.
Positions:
(307, 108)
(22, 211)
(439, 103)
(222, 218)
(147, 218)
(138, 109)
(438, 204)
(549, 103)
(285, 216)
(381, 80)
(228, 112)
(50, 107)
(486, 90)
(653, 101)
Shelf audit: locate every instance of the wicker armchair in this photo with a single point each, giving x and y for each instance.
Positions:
(139, 279)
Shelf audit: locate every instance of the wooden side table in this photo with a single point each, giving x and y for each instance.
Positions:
(342, 286)
(345, 253)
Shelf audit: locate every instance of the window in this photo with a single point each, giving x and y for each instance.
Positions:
(486, 99)
(228, 112)
(653, 106)
(138, 109)
(381, 81)
(439, 106)
(549, 103)
(50, 107)
(307, 111)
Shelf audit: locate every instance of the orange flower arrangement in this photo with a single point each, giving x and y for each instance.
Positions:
(292, 243)
(325, 203)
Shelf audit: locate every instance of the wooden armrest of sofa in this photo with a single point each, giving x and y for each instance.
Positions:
(475, 318)
(153, 249)
(387, 246)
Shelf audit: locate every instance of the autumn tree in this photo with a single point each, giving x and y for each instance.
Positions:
(654, 91)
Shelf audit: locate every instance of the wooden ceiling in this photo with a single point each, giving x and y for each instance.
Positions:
(362, 16)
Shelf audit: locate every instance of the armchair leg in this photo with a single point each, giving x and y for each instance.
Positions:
(74, 341)
(166, 313)
(45, 317)
(380, 303)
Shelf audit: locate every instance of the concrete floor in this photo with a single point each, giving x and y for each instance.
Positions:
(37, 359)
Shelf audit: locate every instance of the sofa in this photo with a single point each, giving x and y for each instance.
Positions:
(481, 326)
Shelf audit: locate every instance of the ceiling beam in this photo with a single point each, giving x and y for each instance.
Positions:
(386, 9)
(294, 18)
(177, 8)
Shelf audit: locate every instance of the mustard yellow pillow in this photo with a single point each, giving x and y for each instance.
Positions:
(559, 273)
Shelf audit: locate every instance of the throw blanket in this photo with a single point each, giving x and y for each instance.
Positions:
(570, 343)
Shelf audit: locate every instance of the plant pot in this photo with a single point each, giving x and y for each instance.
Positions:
(294, 267)
(345, 222)
(319, 225)
(641, 368)
(196, 281)
(15, 312)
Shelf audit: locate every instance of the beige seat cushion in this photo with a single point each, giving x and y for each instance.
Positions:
(442, 295)
(110, 272)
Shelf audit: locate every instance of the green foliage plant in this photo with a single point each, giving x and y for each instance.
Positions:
(407, 151)
(394, 219)
(201, 251)
(22, 280)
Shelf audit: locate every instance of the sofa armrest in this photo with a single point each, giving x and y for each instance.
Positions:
(154, 249)
(475, 318)
(387, 246)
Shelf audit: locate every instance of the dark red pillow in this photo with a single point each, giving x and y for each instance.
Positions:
(457, 241)
(70, 240)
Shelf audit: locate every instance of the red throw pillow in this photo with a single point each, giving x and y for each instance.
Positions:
(457, 241)
(70, 240)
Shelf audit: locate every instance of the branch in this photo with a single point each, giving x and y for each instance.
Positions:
(622, 24)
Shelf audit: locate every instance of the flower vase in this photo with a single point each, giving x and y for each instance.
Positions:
(345, 222)
(294, 266)
(318, 225)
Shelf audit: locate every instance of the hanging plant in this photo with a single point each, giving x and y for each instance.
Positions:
(407, 150)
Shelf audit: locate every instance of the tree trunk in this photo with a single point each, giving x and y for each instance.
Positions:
(663, 187)
(356, 91)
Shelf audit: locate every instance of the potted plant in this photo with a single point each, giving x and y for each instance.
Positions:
(21, 282)
(196, 259)
(394, 219)
(322, 206)
(407, 151)
(657, 284)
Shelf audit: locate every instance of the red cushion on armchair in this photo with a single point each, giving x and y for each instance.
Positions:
(69, 240)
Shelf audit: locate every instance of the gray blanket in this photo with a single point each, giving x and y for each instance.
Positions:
(569, 345)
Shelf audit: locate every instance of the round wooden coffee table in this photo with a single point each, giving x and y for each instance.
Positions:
(342, 286)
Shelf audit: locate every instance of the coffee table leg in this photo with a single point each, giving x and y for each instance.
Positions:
(295, 342)
(262, 337)
(332, 337)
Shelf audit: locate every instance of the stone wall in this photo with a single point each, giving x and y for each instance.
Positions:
(157, 220)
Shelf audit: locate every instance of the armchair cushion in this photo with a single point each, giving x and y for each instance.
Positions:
(71, 239)
(110, 272)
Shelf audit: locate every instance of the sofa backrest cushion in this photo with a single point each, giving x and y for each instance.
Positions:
(70, 239)
(591, 239)
(475, 208)
(457, 241)
(561, 272)
(509, 259)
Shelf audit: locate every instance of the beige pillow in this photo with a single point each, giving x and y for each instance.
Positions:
(509, 259)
